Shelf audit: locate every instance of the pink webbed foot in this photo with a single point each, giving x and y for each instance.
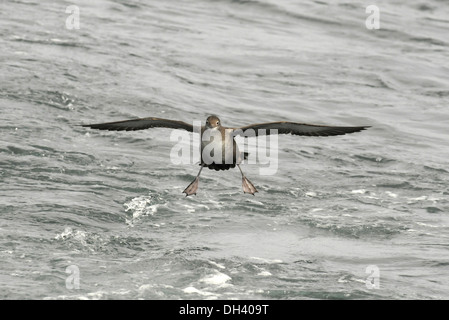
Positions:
(248, 187)
(192, 188)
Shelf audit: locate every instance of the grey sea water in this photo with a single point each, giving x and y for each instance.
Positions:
(340, 211)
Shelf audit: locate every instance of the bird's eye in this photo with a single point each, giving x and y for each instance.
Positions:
(218, 122)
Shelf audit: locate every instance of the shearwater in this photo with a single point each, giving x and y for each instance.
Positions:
(227, 142)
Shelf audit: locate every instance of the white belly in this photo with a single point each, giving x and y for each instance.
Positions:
(214, 149)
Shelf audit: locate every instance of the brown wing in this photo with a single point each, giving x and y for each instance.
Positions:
(140, 124)
(300, 129)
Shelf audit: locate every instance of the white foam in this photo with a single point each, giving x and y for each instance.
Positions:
(359, 280)
(264, 273)
(77, 235)
(155, 289)
(422, 198)
(96, 295)
(268, 261)
(328, 217)
(217, 264)
(311, 194)
(65, 234)
(426, 225)
(391, 194)
(361, 191)
(151, 286)
(190, 209)
(216, 279)
(140, 206)
(255, 202)
(191, 290)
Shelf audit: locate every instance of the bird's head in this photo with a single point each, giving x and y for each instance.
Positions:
(213, 122)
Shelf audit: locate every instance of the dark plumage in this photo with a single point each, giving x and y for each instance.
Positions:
(213, 123)
(299, 129)
(140, 124)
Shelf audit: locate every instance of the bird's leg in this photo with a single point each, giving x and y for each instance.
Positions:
(191, 189)
(248, 187)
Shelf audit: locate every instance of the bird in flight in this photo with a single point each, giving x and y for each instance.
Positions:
(230, 157)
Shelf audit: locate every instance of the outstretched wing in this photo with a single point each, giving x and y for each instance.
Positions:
(140, 124)
(295, 128)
